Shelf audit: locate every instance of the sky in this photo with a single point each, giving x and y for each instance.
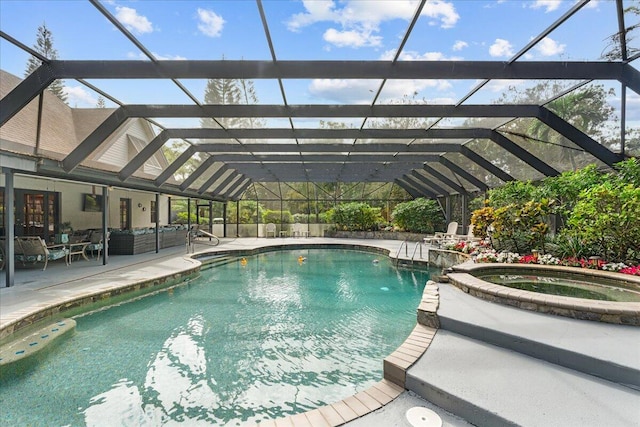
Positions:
(312, 30)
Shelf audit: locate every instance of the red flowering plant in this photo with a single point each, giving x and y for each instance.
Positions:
(631, 270)
(529, 259)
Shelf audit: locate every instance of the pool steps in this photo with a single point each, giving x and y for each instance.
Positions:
(22, 350)
(496, 365)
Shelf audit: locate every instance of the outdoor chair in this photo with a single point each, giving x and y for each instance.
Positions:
(271, 228)
(298, 230)
(32, 249)
(96, 243)
(469, 237)
(439, 238)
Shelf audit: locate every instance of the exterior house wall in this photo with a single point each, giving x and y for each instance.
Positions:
(71, 203)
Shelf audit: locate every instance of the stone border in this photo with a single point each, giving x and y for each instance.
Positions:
(395, 365)
(67, 307)
(623, 313)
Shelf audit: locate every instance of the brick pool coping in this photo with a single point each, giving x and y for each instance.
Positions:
(335, 414)
(624, 313)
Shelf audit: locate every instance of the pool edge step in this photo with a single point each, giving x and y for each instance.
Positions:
(17, 355)
(624, 375)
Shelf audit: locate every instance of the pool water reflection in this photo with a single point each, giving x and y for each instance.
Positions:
(245, 342)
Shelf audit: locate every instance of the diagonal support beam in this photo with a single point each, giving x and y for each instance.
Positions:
(94, 140)
(173, 167)
(228, 180)
(26, 91)
(463, 173)
(426, 182)
(414, 192)
(196, 174)
(145, 154)
(523, 154)
(240, 190)
(212, 179)
(431, 171)
(485, 164)
(631, 78)
(578, 137)
(232, 186)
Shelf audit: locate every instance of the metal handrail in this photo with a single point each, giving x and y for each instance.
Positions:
(413, 255)
(405, 244)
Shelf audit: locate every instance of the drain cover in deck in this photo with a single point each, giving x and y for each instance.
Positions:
(419, 416)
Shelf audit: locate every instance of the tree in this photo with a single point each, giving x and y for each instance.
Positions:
(614, 47)
(587, 109)
(44, 46)
(231, 92)
(101, 103)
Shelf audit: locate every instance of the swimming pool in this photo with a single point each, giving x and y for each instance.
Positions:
(273, 337)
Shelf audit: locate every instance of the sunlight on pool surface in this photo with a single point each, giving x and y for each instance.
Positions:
(270, 338)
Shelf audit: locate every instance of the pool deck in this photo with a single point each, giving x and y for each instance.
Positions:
(489, 364)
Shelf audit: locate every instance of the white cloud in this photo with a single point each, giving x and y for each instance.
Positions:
(78, 96)
(400, 88)
(548, 5)
(346, 91)
(142, 56)
(362, 91)
(415, 56)
(441, 101)
(352, 38)
(501, 47)
(210, 23)
(459, 45)
(549, 47)
(502, 85)
(442, 11)
(359, 21)
(132, 21)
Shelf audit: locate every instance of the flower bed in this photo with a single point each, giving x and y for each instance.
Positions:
(482, 252)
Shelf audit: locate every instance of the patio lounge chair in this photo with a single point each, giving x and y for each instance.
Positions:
(439, 238)
(297, 230)
(469, 237)
(32, 249)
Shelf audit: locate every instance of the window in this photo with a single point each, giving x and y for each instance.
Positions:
(154, 211)
(125, 214)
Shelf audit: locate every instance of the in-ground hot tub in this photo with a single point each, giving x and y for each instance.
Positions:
(566, 291)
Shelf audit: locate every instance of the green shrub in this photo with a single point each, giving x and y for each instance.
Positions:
(355, 216)
(277, 217)
(607, 217)
(418, 216)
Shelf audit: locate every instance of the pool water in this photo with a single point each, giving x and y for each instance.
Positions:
(251, 341)
(565, 287)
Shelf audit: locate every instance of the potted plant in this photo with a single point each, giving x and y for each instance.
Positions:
(64, 230)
